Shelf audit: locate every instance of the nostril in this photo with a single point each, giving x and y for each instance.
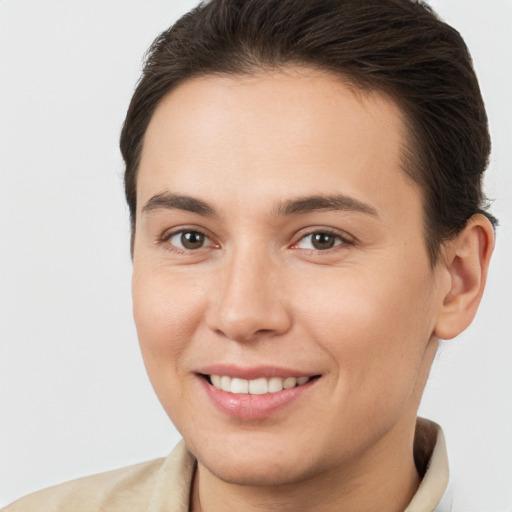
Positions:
(263, 331)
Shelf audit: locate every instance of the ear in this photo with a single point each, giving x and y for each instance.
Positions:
(465, 264)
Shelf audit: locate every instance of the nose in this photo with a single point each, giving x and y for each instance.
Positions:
(249, 301)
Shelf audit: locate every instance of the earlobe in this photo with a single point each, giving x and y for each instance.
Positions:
(466, 262)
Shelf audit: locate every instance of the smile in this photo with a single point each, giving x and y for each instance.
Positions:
(260, 386)
(254, 398)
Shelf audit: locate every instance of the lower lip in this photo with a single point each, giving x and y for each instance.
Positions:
(253, 407)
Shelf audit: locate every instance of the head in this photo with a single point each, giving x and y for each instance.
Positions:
(304, 183)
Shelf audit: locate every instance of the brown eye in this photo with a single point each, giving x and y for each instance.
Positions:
(192, 240)
(189, 240)
(323, 240)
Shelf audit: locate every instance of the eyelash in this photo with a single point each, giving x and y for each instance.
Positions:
(340, 240)
(167, 237)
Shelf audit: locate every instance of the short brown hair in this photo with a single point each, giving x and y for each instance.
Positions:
(399, 47)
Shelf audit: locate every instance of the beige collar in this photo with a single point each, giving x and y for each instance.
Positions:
(430, 453)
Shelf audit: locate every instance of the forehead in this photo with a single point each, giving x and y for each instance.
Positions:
(290, 132)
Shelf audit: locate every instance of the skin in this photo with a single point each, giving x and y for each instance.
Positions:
(365, 315)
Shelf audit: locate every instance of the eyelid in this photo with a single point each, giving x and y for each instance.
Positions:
(345, 238)
(170, 233)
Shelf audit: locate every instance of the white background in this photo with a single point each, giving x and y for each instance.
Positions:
(74, 397)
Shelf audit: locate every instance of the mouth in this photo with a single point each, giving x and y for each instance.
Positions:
(258, 386)
(254, 393)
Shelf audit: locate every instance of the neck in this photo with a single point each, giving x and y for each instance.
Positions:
(385, 478)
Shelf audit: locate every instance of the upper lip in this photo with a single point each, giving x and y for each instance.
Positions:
(253, 372)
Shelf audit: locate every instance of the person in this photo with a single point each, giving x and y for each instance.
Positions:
(308, 221)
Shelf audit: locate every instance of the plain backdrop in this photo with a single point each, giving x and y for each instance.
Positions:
(74, 396)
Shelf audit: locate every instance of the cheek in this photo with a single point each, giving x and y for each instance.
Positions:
(375, 329)
(167, 312)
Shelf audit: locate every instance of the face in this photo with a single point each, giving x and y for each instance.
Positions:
(282, 290)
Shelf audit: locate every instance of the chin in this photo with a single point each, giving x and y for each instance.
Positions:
(254, 473)
(255, 462)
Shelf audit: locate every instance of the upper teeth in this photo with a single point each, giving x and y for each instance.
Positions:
(256, 386)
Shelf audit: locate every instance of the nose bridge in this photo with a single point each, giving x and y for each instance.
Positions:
(249, 300)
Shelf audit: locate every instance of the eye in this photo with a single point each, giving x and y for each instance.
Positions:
(189, 240)
(320, 241)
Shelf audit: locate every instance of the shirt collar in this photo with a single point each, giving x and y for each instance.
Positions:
(432, 460)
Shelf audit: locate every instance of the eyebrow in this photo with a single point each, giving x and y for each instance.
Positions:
(311, 204)
(166, 201)
(299, 206)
